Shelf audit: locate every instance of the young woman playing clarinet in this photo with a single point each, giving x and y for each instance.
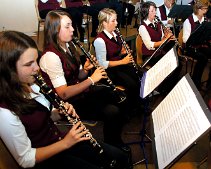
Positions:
(112, 55)
(200, 52)
(26, 127)
(154, 34)
(62, 69)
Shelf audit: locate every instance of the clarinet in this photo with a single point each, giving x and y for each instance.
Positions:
(120, 96)
(157, 20)
(128, 51)
(59, 103)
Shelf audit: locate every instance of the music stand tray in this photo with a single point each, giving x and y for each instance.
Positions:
(180, 12)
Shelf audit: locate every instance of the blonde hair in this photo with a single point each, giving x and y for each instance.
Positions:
(199, 4)
(104, 15)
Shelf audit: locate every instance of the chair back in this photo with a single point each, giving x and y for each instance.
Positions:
(37, 10)
(180, 41)
(139, 44)
(7, 161)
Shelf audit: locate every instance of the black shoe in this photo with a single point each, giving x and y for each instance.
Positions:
(125, 148)
(93, 34)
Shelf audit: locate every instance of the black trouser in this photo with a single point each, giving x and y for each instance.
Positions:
(125, 76)
(83, 156)
(201, 55)
(97, 104)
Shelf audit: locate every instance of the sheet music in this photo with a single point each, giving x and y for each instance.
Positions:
(156, 74)
(178, 121)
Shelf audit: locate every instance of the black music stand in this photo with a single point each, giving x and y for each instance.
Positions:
(180, 12)
(200, 35)
(147, 87)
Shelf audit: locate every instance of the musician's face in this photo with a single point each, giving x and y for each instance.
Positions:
(66, 30)
(111, 24)
(203, 10)
(152, 13)
(169, 3)
(27, 66)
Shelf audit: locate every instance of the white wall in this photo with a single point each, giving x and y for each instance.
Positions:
(19, 15)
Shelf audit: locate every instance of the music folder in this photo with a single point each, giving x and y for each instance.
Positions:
(180, 11)
(157, 73)
(177, 122)
(200, 35)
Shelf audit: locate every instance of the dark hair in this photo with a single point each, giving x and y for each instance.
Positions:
(51, 32)
(12, 45)
(145, 9)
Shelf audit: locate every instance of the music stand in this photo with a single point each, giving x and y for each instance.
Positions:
(200, 35)
(166, 65)
(178, 121)
(180, 12)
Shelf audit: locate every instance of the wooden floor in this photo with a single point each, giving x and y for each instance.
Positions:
(190, 160)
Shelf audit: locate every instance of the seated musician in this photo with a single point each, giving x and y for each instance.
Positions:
(62, 70)
(200, 52)
(109, 53)
(153, 36)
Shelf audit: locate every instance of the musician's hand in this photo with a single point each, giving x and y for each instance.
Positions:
(98, 74)
(70, 110)
(127, 59)
(88, 65)
(171, 22)
(75, 135)
(123, 51)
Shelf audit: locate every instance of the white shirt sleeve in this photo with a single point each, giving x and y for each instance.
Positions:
(146, 38)
(51, 64)
(100, 50)
(186, 30)
(16, 140)
(44, 1)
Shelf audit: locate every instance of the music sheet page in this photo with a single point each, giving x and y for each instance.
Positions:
(178, 121)
(155, 75)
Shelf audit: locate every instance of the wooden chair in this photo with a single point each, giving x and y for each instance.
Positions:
(7, 161)
(40, 20)
(139, 43)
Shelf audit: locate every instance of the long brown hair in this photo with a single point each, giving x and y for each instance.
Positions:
(51, 33)
(13, 94)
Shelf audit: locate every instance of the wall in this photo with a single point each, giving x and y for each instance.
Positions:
(19, 15)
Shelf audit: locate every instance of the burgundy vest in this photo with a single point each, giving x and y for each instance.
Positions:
(163, 12)
(50, 4)
(73, 3)
(155, 35)
(71, 70)
(113, 47)
(39, 127)
(192, 23)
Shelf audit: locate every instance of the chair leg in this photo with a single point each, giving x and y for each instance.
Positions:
(38, 32)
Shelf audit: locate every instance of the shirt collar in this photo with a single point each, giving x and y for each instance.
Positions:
(195, 18)
(109, 34)
(147, 22)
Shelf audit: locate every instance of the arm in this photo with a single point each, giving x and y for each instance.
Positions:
(147, 39)
(14, 135)
(186, 30)
(51, 64)
(100, 50)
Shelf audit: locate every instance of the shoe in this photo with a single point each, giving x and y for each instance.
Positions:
(125, 148)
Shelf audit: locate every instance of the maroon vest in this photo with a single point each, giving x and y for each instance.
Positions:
(192, 23)
(71, 70)
(39, 127)
(163, 12)
(155, 35)
(73, 3)
(113, 47)
(49, 5)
